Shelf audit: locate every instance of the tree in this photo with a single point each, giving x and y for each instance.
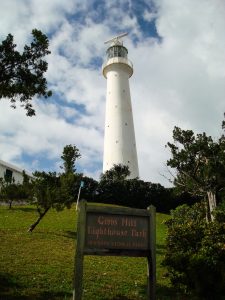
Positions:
(114, 188)
(88, 191)
(194, 254)
(199, 162)
(116, 173)
(11, 191)
(52, 190)
(69, 156)
(46, 194)
(22, 74)
(70, 180)
(112, 185)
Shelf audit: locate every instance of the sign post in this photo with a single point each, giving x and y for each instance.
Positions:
(115, 231)
(79, 257)
(151, 266)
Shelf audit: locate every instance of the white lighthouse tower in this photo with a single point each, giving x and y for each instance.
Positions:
(119, 141)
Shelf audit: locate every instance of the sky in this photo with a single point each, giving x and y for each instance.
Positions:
(177, 48)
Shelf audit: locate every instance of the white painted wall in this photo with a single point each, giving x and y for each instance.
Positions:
(17, 172)
(119, 141)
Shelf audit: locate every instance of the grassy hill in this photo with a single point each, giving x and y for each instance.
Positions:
(40, 265)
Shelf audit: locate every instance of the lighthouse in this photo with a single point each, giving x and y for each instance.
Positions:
(119, 140)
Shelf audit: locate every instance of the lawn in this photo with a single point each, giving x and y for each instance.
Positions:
(39, 265)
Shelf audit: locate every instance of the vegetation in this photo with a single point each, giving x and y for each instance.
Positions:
(52, 190)
(194, 249)
(11, 193)
(59, 190)
(114, 188)
(40, 266)
(195, 252)
(22, 74)
(199, 162)
(69, 156)
(14, 192)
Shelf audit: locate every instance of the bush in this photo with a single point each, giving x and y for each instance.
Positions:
(135, 193)
(220, 212)
(195, 253)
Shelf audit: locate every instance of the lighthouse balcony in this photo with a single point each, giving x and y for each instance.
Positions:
(117, 60)
(120, 60)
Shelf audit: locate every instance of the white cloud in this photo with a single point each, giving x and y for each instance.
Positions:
(177, 81)
(149, 16)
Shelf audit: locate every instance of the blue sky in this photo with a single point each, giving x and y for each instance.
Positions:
(176, 47)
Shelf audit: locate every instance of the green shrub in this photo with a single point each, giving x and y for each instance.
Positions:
(195, 253)
(220, 212)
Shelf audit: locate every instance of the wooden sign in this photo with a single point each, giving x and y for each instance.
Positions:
(104, 230)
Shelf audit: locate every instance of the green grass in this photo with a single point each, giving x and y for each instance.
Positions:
(39, 265)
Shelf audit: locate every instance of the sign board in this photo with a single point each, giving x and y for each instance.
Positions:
(104, 230)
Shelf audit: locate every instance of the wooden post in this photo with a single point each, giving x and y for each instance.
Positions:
(78, 267)
(151, 269)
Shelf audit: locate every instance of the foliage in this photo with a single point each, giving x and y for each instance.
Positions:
(46, 189)
(195, 252)
(27, 187)
(69, 186)
(22, 74)
(88, 191)
(52, 190)
(116, 173)
(220, 212)
(178, 198)
(11, 192)
(114, 188)
(200, 164)
(69, 156)
(14, 192)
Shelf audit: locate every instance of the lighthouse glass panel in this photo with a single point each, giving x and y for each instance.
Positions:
(117, 51)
